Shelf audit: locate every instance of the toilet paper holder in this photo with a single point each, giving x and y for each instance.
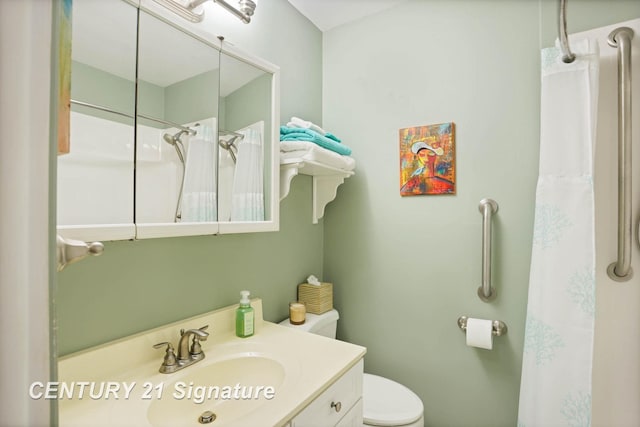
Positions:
(498, 327)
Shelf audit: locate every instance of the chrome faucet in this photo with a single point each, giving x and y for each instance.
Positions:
(186, 355)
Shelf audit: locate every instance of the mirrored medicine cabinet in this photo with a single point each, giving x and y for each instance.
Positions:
(172, 133)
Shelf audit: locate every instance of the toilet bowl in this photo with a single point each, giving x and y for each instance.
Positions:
(385, 402)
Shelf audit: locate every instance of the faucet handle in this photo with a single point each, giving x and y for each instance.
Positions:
(169, 357)
(196, 348)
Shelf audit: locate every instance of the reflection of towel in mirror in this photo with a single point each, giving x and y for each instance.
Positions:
(199, 192)
(299, 134)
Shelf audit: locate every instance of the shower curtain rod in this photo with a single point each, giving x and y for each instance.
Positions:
(119, 113)
(567, 56)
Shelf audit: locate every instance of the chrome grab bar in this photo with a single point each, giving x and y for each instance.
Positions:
(621, 270)
(487, 208)
(567, 56)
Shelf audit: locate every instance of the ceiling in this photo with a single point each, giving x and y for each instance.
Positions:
(327, 14)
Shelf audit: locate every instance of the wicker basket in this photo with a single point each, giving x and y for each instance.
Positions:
(317, 299)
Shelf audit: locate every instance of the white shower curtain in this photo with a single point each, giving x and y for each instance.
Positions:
(247, 199)
(199, 202)
(556, 372)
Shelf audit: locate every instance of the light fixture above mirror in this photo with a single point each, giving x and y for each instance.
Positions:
(244, 12)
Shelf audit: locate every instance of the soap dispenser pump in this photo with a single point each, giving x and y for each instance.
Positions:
(244, 317)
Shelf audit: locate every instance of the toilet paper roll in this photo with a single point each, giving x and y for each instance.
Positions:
(480, 333)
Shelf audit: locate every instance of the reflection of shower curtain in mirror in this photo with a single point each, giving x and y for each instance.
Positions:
(199, 192)
(247, 199)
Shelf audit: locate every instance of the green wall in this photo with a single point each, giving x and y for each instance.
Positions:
(89, 84)
(404, 269)
(95, 86)
(151, 102)
(248, 104)
(193, 99)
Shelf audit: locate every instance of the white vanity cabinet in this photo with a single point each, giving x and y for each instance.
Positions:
(339, 405)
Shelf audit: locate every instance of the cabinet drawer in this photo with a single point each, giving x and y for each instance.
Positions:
(353, 418)
(335, 402)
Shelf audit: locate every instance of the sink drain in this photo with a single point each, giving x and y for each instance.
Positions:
(207, 417)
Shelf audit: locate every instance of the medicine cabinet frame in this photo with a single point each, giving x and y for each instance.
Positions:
(271, 175)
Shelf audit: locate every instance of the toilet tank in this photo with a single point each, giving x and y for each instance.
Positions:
(324, 324)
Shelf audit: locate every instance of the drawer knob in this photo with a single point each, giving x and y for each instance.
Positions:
(337, 406)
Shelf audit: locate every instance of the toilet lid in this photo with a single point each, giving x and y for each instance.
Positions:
(387, 403)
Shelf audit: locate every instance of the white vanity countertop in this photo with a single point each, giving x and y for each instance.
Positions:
(303, 366)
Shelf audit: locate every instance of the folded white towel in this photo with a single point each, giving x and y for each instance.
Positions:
(300, 123)
(304, 150)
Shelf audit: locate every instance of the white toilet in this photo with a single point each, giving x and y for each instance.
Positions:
(385, 402)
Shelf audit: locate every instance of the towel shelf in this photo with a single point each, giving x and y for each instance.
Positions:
(326, 180)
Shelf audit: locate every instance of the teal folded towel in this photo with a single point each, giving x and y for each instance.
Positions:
(300, 134)
(332, 136)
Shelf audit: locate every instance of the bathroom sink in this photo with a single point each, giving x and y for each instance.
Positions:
(264, 380)
(228, 389)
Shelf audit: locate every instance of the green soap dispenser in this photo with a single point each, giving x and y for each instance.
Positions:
(244, 316)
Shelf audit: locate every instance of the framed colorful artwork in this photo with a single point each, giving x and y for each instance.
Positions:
(427, 160)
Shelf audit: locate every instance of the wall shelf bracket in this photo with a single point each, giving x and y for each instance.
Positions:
(326, 180)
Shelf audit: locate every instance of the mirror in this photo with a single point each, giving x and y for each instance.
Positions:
(95, 179)
(172, 133)
(176, 166)
(244, 141)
